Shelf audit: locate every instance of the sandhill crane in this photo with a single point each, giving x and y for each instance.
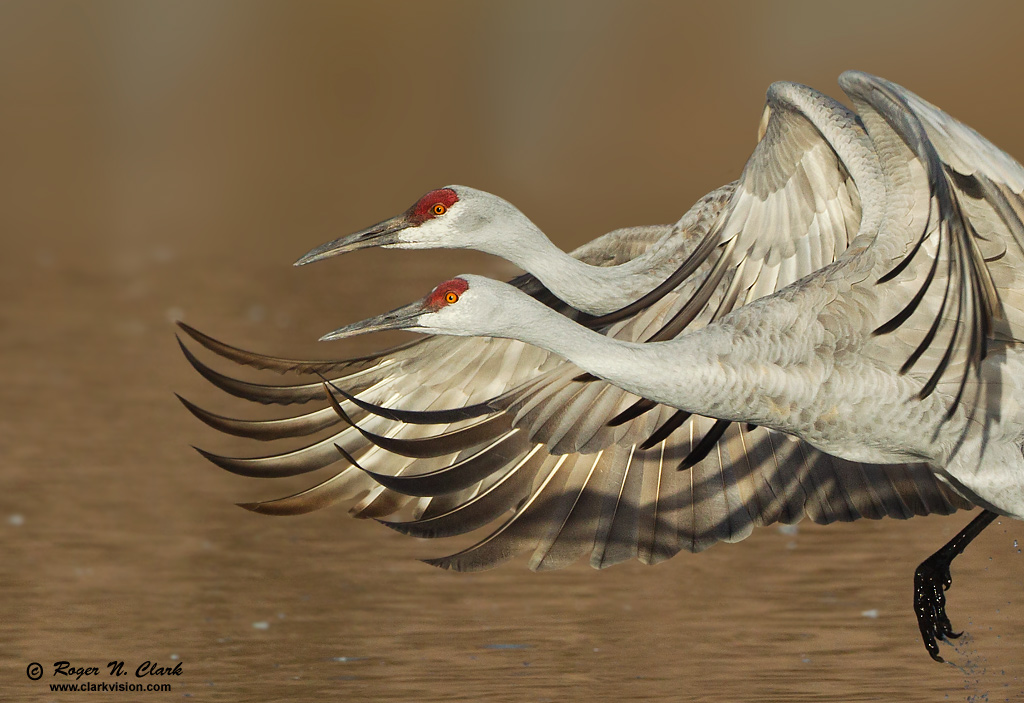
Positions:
(795, 175)
(810, 361)
(726, 512)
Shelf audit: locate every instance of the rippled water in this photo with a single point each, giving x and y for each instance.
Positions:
(170, 160)
(120, 543)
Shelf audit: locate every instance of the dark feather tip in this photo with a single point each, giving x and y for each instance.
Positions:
(348, 457)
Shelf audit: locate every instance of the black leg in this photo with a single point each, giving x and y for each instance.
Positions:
(932, 579)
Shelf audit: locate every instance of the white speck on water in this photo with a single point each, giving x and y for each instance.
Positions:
(789, 529)
(174, 657)
(261, 625)
(349, 659)
(16, 520)
(873, 613)
(174, 313)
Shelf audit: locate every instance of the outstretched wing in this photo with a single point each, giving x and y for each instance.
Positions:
(942, 249)
(464, 472)
(988, 184)
(796, 207)
(577, 466)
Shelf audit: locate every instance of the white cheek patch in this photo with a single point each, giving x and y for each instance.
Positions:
(429, 235)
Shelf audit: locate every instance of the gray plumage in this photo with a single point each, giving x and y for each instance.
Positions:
(578, 485)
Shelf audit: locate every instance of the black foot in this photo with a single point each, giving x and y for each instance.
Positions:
(931, 580)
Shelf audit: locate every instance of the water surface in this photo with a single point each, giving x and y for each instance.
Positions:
(167, 161)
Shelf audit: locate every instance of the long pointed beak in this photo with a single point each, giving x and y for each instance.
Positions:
(401, 318)
(381, 234)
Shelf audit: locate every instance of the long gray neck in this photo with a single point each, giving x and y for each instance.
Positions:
(706, 372)
(593, 289)
(603, 289)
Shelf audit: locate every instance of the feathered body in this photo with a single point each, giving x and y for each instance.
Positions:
(589, 468)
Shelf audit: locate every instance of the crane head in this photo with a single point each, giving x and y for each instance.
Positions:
(453, 217)
(464, 306)
(433, 206)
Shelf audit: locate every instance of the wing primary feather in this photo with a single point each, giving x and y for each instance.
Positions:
(483, 507)
(417, 417)
(997, 197)
(978, 305)
(685, 270)
(264, 430)
(940, 368)
(606, 540)
(428, 447)
(349, 458)
(455, 477)
(514, 536)
(670, 426)
(704, 447)
(905, 262)
(572, 511)
(699, 298)
(300, 461)
(980, 329)
(904, 314)
(927, 340)
(256, 392)
(281, 365)
(343, 485)
(633, 411)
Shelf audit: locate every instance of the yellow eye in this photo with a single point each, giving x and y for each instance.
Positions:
(451, 297)
(440, 209)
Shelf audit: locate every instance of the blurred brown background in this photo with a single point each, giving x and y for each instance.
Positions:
(169, 160)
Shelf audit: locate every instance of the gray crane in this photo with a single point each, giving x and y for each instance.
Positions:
(829, 481)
